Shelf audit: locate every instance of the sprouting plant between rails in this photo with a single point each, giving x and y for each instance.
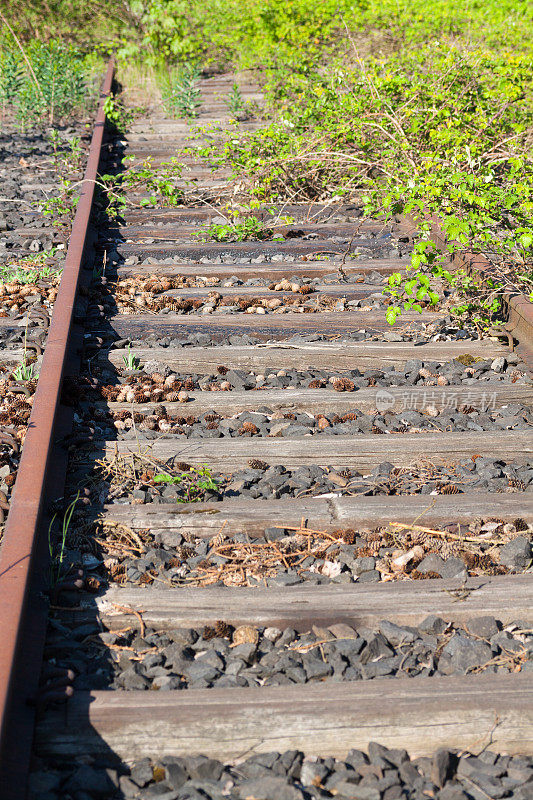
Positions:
(67, 153)
(62, 207)
(425, 111)
(180, 94)
(237, 230)
(131, 361)
(235, 103)
(56, 545)
(195, 483)
(159, 182)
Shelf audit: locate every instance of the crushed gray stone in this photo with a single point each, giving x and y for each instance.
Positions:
(380, 773)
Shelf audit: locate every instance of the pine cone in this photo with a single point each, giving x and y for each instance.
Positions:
(248, 427)
(208, 633)
(349, 536)
(256, 463)
(343, 385)
(450, 488)
(223, 630)
(349, 417)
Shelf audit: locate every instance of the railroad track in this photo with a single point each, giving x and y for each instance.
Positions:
(308, 528)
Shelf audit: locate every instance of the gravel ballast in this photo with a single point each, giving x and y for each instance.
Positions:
(379, 774)
(286, 557)
(220, 656)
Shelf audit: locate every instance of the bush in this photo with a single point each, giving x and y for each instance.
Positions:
(415, 109)
(54, 80)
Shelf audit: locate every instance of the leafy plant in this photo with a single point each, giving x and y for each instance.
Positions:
(68, 154)
(117, 114)
(94, 25)
(236, 230)
(419, 113)
(43, 80)
(11, 77)
(56, 545)
(24, 371)
(131, 361)
(158, 182)
(180, 95)
(29, 269)
(62, 207)
(235, 103)
(194, 483)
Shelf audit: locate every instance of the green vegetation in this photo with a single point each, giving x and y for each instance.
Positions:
(417, 110)
(44, 82)
(62, 207)
(181, 96)
(57, 543)
(68, 154)
(235, 103)
(406, 107)
(29, 269)
(195, 483)
(92, 25)
(117, 115)
(131, 361)
(24, 371)
(236, 230)
(159, 183)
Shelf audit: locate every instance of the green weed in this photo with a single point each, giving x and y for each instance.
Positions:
(194, 483)
(57, 544)
(180, 95)
(158, 182)
(44, 81)
(131, 361)
(416, 111)
(236, 104)
(117, 115)
(67, 153)
(236, 230)
(24, 371)
(62, 207)
(29, 269)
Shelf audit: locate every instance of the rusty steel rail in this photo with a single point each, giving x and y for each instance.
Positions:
(23, 529)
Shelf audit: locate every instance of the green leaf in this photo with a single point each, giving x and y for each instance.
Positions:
(164, 478)
(391, 314)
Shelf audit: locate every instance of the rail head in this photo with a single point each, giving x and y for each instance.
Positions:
(22, 529)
